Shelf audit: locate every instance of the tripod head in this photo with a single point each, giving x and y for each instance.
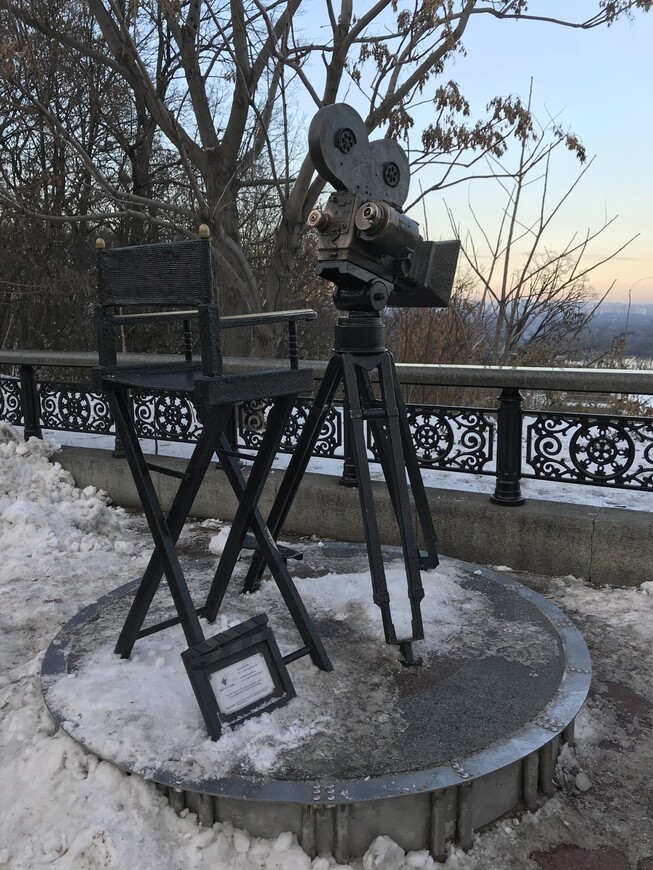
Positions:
(367, 246)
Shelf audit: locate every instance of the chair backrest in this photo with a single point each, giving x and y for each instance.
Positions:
(161, 275)
(162, 278)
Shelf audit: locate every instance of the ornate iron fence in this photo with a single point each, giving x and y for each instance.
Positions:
(591, 449)
(453, 438)
(72, 408)
(10, 404)
(459, 439)
(600, 450)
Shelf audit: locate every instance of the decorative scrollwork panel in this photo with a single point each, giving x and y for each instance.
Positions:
(252, 420)
(10, 407)
(450, 439)
(73, 408)
(587, 448)
(167, 417)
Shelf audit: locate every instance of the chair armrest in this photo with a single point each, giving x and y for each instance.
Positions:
(290, 318)
(229, 322)
(267, 317)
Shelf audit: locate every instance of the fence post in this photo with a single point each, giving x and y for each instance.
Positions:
(118, 451)
(29, 400)
(509, 447)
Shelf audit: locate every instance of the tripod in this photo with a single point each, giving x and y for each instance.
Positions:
(359, 351)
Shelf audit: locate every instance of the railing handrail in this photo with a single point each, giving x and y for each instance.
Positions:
(578, 380)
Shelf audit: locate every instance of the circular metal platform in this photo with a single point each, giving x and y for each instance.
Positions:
(423, 755)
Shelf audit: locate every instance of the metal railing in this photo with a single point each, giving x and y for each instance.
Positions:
(609, 450)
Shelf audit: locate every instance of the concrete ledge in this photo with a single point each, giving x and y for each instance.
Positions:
(604, 545)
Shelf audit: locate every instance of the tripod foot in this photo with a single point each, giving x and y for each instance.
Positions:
(408, 657)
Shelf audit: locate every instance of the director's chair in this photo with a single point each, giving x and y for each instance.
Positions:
(173, 281)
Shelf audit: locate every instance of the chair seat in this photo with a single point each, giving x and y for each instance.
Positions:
(221, 390)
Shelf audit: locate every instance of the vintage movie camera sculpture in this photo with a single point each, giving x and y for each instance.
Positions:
(368, 248)
(375, 257)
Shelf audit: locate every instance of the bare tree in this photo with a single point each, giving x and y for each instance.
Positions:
(212, 84)
(533, 302)
(452, 335)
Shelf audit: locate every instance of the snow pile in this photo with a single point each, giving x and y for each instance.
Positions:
(217, 542)
(42, 510)
(384, 854)
(61, 807)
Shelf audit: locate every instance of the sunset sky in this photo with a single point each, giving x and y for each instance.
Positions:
(599, 84)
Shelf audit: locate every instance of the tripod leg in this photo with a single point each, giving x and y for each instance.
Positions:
(247, 503)
(416, 482)
(248, 516)
(402, 499)
(387, 439)
(297, 465)
(372, 539)
(213, 424)
(379, 430)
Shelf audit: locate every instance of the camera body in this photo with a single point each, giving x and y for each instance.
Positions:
(367, 246)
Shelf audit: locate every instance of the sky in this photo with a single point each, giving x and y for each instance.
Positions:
(596, 83)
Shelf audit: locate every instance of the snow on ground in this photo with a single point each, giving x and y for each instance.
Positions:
(61, 549)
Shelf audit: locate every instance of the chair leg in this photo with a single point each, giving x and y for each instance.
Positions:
(248, 516)
(297, 465)
(213, 424)
(162, 536)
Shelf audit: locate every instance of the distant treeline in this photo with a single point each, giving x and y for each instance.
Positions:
(635, 327)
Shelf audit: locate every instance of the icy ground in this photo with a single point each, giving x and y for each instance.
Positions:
(61, 549)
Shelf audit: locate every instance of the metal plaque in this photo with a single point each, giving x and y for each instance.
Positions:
(237, 674)
(242, 684)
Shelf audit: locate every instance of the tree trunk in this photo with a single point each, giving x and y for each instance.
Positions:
(304, 195)
(235, 285)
